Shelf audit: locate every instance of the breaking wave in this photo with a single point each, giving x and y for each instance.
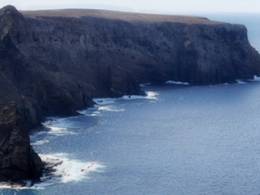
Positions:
(240, 82)
(110, 108)
(64, 170)
(150, 95)
(55, 129)
(68, 170)
(176, 83)
(107, 104)
(40, 142)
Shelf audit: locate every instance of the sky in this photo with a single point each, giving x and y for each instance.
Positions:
(150, 6)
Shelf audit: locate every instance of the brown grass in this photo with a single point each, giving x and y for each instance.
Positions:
(125, 16)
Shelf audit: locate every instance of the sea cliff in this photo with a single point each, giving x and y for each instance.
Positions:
(55, 62)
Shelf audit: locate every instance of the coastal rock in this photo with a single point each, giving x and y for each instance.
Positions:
(18, 161)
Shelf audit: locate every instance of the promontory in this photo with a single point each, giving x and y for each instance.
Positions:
(54, 62)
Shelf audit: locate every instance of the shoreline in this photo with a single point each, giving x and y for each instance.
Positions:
(49, 170)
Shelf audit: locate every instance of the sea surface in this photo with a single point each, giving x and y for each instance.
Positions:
(177, 140)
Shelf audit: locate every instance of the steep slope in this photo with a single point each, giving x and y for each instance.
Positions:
(55, 62)
(18, 160)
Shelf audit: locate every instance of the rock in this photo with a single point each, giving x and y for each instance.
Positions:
(55, 62)
(18, 161)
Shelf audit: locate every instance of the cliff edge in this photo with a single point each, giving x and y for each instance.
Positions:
(55, 62)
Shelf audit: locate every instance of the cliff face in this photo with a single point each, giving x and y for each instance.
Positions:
(55, 62)
(18, 160)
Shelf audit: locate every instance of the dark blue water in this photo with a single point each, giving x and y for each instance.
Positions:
(178, 140)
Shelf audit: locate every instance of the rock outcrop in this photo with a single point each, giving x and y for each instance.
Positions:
(18, 161)
(55, 62)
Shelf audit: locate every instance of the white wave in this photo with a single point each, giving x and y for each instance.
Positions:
(40, 142)
(59, 131)
(109, 108)
(70, 170)
(241, 82)
(133, 97)
(95, 113)
(54, 129)
(176, 83)
(150, 95)
(5, 185)
(66, 170)
(256, 78)
(90, 112)
(107, 104)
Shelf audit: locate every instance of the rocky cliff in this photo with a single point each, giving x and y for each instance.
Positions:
(18, 160)
(55, 62)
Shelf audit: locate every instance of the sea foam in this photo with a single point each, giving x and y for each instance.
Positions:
(70, 170)
(65, 170)
(55, 129)
(176, 83)
(110, 108)
(150, 95)
(40, 142)
(240, 82)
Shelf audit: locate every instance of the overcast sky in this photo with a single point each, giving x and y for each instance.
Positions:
(157, 6)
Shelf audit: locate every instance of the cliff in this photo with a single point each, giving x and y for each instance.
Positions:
(18, 160)
(55, 62)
